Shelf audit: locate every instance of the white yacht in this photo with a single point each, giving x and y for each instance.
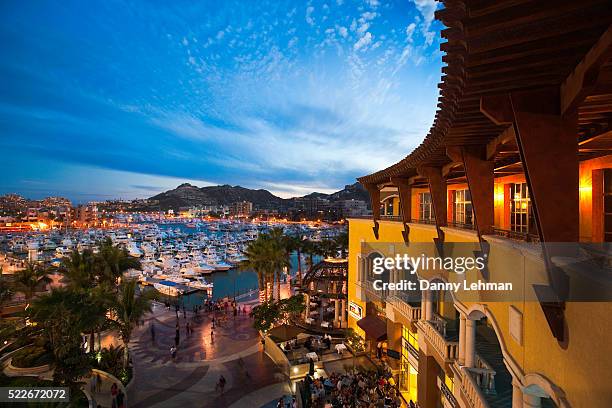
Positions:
(169, 288)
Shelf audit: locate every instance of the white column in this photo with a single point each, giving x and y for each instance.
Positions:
(517, 395)
(426, 305)
(462, 339)
(470, 343)
(531, 401)
(336, 311)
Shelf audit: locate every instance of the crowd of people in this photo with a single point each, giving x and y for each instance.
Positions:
(208, 307)
(370, 389)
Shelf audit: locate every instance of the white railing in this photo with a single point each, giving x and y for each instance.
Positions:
(449, 350)
(484, 375)
(412, 313)
(472, 392)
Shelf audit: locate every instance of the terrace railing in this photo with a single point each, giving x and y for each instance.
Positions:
(391, 218)
(516, 235)
(448, 350)
(412, 313)
(461, 225)
(469, 387)
(423, 221)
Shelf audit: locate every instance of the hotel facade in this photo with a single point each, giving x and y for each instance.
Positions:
(519, 157)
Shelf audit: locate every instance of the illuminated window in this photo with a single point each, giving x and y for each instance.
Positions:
(386, 207)
(425, 207)
(521, 216)
(408, 373)
(607, 190)
(463, 207)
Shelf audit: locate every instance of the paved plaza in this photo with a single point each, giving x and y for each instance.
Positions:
(234, 351)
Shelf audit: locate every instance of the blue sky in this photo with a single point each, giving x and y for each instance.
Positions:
(109, 99)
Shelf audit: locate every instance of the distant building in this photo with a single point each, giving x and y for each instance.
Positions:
(351, 208)
(311, 206)
(86, 215)
(241, 209)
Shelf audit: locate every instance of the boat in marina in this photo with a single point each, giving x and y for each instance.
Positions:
(201, 284)
(169, 288)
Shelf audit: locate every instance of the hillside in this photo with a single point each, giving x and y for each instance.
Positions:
(187, 195)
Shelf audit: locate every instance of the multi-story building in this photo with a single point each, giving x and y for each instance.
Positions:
(350, 208)
(519, 157)
(241, 209)
(86, 215)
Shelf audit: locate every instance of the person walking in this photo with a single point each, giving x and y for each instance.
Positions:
(222, 383)
(120, 399)
(98, 382)
(173, 353)
(152, 333)
(114, 390)
(94, 383)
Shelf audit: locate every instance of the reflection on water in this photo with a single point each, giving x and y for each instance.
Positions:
(230, 283)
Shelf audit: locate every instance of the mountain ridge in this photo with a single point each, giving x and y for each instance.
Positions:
(187, 195)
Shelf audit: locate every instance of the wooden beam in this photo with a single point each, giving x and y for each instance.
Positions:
(437, 188)
(594, 138)
(404, 189)
(584, 77)
(374, 192)
(479, 173)
(506, 136)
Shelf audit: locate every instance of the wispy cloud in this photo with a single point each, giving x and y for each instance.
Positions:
(288, 94)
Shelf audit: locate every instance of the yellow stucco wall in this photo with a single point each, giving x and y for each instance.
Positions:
(580, 368)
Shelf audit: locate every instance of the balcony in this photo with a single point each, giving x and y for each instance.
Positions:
(516, 235)
(470, 390)
(462, 225)
(448, 400)
(426, 222)
(391, 218)
(446, 348)
(409, 312)
(370, 293)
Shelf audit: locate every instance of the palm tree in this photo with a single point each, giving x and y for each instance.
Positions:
(5, 289)
(81, 269)
(295, 243)
(256, 260)
(60, 316)
(278, 256)
(129, 308)
(115, 261)
(342, 243)
(29, 280)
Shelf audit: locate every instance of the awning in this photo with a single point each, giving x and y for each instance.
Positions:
(285, 332)
(374, 327)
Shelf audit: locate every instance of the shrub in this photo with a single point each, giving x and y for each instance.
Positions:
(31, 356)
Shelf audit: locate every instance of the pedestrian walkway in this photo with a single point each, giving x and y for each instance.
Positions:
(101, 391)
(233, 351)
(264, 397)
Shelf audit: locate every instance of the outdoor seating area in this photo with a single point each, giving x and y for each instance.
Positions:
(352, 389)
(325, 288)
(314, 347)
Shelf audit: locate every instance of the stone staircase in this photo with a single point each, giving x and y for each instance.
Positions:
(487, 347)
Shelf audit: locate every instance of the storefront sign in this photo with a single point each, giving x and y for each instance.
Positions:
(393, 354)
(355, 310)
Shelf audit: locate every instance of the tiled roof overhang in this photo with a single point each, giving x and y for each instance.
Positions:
(502, 46)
